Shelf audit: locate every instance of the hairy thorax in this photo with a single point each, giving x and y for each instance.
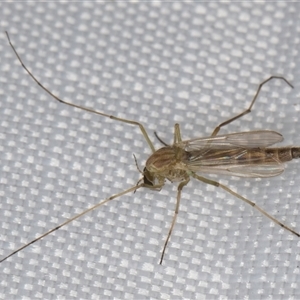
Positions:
(166, 163)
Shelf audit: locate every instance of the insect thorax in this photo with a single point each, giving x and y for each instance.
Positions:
(166, 163)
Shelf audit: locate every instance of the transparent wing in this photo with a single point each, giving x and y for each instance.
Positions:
(254, 171)
(239, 154)
(250, 139)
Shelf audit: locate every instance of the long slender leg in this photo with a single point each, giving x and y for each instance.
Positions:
(217, 184)
(143, 130)
(248, 110)
(179, 189)
(134, 188)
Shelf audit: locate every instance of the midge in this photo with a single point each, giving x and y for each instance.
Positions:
(243, 154)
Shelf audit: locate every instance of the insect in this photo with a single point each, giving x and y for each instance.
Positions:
(243, 154)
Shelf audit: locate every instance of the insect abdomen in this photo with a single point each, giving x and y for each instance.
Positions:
(296, 152)
(283, 154)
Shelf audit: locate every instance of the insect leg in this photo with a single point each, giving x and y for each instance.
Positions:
(177, 134)
(179, 189)
(217, 184)
(248, 110)
(143, 130)
(134, 188)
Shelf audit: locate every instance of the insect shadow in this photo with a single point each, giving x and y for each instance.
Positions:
(242, 154)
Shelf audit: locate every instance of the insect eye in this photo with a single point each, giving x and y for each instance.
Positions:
(147, 177)
(147, 181)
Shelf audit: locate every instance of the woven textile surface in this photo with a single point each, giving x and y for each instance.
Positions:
(158, 63)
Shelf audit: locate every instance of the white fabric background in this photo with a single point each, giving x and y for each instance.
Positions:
(157, 63)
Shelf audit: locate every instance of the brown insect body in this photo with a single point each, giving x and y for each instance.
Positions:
(166, 163)
(243, 154)
(175, 164)
(285, 153)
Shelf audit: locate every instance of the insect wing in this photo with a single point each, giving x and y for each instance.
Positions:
(249, 139)
(249, 171)
(229, 154)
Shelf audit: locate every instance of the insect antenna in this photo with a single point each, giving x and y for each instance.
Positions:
(137, 165)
